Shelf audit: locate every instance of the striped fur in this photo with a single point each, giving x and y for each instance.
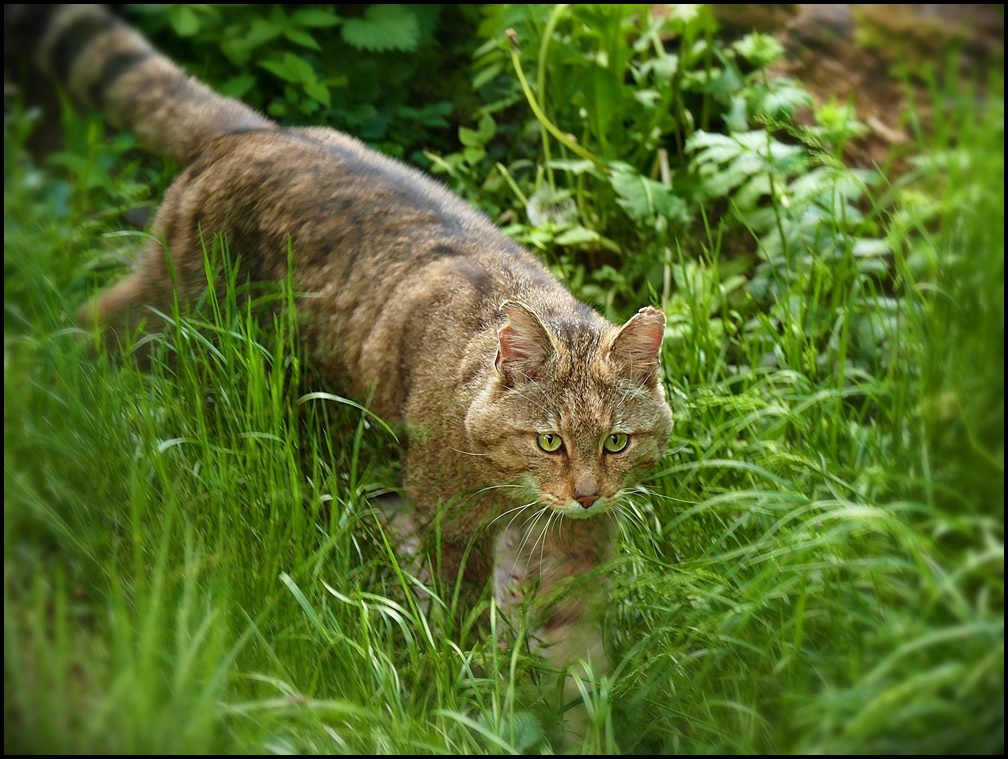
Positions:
(464, 335)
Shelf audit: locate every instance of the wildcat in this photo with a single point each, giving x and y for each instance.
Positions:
(524, 408)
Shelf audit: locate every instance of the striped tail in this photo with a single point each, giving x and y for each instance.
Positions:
(104, 63)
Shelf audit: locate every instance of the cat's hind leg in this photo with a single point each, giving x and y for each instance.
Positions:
(137, 305)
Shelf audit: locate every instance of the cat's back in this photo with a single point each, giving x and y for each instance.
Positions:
(351, 212)
(394, 270)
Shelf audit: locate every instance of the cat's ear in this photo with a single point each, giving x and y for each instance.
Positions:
(636, 349)
(524, 345)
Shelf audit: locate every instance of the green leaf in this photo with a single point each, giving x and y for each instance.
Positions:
(750, 193)
(663, 68)
(761, 50)
(480, 136)
(487, 128)
(485, 75)
(646, 97)
(735, 117)
(643, 199)
(290, 68)
(318, 17)
(277, 109)
(318, 92)
(469, 137)
(278, 16)
(684, 13)
(577, 236)
(383, 27)
(301, 37)
(527, 731)
(240, 42)
(782, 100)
(576, 166)
(473, 154)
(184, 21)
(237, 86)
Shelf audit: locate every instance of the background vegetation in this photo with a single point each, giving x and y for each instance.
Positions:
(192, 561)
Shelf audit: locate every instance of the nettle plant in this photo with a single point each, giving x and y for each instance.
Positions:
(381, 72)
(630, 145)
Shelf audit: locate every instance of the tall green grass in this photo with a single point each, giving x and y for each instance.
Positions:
(193, 562)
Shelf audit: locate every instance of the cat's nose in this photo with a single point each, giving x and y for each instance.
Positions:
(587, 499)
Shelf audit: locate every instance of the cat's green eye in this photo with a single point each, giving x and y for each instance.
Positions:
(549, 441)
(616, 442)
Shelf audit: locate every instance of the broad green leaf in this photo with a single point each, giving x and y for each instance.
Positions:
(383, 27)
(479, 136)
(240, 42)
(527, 731)
(576, 166)
(486, 128)
(474, 154)
(301, 37)
(485, 75)
(647, 98)
(290, 68)
(469, 137)
(663, 68)
(735, 119)
(184, 20)
(643, 198)
(577, 235)
(237, 86)
(319, 92)
(783, 100)
(750, 193)
(278, 16)
(316, 17)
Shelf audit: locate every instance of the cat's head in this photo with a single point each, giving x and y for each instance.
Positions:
(574, 410)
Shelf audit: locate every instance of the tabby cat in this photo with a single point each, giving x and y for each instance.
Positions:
(522, 405)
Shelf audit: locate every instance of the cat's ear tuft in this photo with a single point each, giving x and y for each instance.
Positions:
(637, 346)
(524, 344)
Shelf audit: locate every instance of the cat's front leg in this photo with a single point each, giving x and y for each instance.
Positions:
(466, 564)
(556, 570)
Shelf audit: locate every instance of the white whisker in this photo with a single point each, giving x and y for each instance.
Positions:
(527, 533)
(542, 536)
(468, 453)
(632, 516)
(500, 486)
(518, 509)
(672, 498)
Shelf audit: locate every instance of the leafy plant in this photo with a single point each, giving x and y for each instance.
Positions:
(705, 148)
(339, 65)
(602, 198)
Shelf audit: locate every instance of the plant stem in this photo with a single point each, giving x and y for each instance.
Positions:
(565, 139)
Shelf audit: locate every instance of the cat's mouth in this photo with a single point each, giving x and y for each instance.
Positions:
(572, 509)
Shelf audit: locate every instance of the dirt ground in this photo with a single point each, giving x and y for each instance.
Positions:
(882, 58)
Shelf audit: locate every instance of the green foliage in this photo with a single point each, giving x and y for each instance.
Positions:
(338, 65)
(640, 120)
(192, 558)
(383, 27)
